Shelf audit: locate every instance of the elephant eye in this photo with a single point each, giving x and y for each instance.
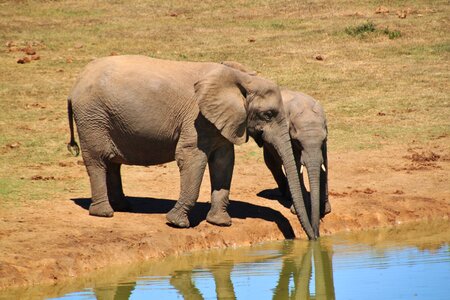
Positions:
(268, 115)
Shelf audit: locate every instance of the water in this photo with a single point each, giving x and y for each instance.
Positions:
(410, 262)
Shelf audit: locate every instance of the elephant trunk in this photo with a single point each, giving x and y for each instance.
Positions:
(283, 146)
(314, 186)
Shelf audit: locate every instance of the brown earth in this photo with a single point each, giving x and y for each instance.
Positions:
(51, 241)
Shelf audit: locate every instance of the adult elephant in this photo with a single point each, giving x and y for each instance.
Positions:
(137, 110)
(308, 131)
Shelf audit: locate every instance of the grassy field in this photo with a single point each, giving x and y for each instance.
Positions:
(383, 79)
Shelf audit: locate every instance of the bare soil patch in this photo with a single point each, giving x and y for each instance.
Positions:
(55, 240)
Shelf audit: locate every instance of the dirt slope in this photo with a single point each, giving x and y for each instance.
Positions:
(57, 239)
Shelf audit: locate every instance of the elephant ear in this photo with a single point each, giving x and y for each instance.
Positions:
(239, 66)
(294, 108)
(317, 108)
(222, 100)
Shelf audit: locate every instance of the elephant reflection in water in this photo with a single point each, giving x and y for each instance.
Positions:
(299, 267)
(298, 259)
(297, 264)
(119, 292)
(183, 282)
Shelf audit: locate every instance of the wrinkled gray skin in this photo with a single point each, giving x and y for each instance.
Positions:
(308, 131)
(137, 110)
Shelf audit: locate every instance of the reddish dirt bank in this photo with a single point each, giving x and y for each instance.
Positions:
(53, 240)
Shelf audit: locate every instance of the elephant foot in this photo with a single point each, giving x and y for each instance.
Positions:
(219, 218)
(121, 205)
(177, 217)
(101, 209)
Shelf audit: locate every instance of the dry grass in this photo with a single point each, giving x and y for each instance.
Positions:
(376, 91)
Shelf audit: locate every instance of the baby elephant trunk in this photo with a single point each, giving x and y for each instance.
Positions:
(314, 186)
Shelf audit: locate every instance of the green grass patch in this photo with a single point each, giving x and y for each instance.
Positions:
(368, 28)
(392, 34)
(361, 30)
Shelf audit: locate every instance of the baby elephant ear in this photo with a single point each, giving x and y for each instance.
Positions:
(294, 107)
(221, 98)
(317, 108)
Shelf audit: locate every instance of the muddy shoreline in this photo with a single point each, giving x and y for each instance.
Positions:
(52, 241)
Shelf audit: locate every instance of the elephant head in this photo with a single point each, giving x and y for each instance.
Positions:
(242, 105)
(308, 131)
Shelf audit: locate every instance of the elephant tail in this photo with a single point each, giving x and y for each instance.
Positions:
(72, 146)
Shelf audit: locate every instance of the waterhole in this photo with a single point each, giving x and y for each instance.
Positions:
(406, 262)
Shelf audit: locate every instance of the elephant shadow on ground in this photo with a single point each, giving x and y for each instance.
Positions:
(236, 209)
(275, 194)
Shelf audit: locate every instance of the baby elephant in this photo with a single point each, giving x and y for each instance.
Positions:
(308, 131)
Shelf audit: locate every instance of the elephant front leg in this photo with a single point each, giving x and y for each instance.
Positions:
(222, 278)
(100, 204)
(183, 282)
(221, 164)
(192, 164)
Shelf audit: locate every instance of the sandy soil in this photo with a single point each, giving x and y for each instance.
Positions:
(59, 240)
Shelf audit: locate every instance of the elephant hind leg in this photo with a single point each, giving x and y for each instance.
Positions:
(221, 164)
(116, 196)
(100, 203)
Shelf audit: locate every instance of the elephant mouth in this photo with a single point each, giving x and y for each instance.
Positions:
(257, 135)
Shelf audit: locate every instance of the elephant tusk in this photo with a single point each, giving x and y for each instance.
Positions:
(301, 169)
(323, 168)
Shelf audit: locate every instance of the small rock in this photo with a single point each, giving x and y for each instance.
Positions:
(23, 60)
(45, 178)
(381, 113)
(10, 44)
(60, 70)
(402, 14)
(13, 49)
(318, 57)
(114, 53)
(29, 50)
(13, 145)
(78, 45)
(173, 14)
(69, 60)
(382, 10)
(368, 191)
(252, 40)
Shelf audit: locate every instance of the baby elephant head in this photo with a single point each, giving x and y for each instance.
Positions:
(308, 131)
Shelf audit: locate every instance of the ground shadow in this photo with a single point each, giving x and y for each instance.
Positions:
(236, 209)
(275, 194)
